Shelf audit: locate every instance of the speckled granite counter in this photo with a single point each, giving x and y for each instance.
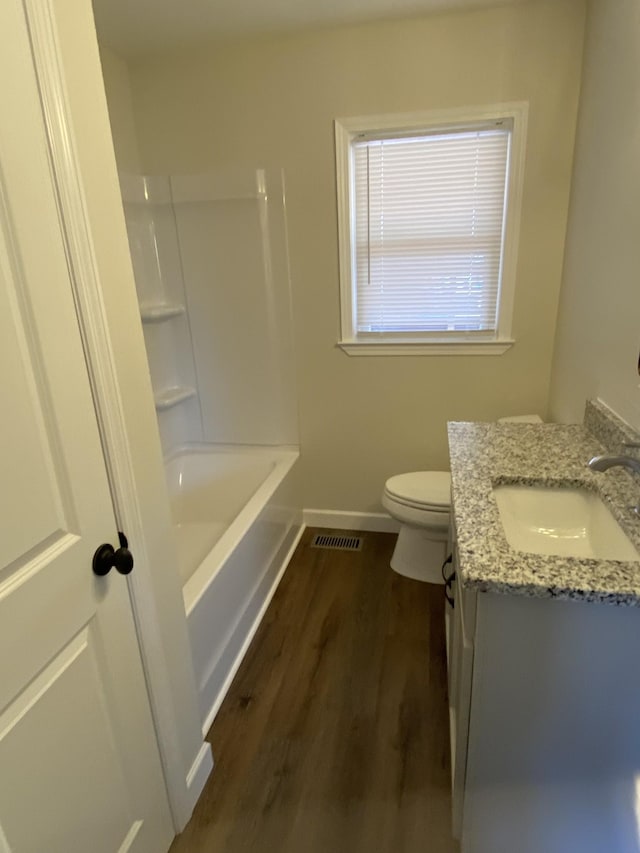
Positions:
(484, 455)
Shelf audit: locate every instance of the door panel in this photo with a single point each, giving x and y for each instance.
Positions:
(93, 770)
(26, 457)
(79, 762)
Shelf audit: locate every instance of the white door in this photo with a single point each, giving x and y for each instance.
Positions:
(79, 764)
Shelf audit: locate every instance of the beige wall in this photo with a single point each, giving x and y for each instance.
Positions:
(599, 321)
(118, 90)
(273, 101)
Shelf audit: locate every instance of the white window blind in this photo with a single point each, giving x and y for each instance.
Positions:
(428, 228)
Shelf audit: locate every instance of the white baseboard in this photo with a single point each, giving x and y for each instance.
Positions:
(374, 522)
(199, 773)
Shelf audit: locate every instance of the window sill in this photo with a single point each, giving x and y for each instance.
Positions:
(408, 348)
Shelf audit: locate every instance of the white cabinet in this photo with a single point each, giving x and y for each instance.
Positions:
(545, 720)
(460, 675)
(460, 622)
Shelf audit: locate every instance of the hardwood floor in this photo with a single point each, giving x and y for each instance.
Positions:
(334, 736)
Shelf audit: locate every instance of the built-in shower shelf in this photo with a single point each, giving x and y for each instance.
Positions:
(156, 312)
(169, 397)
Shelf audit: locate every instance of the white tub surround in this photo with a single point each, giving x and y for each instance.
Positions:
(232, 232)
(237, 519)
(211, 263)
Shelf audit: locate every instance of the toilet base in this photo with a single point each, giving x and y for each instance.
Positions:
(419, 555)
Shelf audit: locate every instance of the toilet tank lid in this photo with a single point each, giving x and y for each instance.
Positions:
(431, 488)
(521, 419)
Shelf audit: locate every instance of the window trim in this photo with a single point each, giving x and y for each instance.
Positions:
(346, 129)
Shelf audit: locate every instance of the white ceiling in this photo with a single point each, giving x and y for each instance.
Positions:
(133, 27)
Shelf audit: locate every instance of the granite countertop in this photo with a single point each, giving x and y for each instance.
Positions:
(484, 455)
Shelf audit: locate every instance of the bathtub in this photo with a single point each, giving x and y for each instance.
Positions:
(237, 519)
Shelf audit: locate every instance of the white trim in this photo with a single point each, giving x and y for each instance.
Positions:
(200, 771)
(85, 280)
(451, 118)
(396, 124)
(517, 155)
(208, 722)
(372, 522)
(130, 837)
(410, 348)
(344, 192)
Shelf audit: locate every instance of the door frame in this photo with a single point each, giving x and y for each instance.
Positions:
(184, 784)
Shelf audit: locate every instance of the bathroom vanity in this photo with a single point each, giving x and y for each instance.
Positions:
(544, 644)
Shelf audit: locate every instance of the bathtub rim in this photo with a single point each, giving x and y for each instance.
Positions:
(285, 457)
(205, 447)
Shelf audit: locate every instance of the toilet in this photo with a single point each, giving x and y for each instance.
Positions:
(420, 501)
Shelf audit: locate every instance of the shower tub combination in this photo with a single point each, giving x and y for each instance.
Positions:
(210, 255)
(237, 520)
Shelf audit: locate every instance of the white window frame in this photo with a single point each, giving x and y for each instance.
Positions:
(458, 343)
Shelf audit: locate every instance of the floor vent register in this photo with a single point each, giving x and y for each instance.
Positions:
(337, 543)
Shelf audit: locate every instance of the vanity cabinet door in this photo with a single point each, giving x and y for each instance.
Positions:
(449, 592)
(460, 675)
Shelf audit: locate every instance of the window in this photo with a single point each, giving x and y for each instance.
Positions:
(428, 211)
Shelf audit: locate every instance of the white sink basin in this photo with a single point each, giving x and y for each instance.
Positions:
(565, 522)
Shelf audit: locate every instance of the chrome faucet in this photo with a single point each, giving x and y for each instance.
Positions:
(603, 463)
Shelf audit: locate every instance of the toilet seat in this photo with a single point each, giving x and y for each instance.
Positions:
(435, 521)
(420, 499)
(421, 490)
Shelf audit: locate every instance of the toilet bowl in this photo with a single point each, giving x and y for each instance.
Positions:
(421, 501)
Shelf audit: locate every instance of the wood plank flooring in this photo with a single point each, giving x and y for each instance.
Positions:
(334, 736)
